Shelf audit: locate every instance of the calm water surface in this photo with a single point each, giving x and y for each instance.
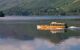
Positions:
(23, 35)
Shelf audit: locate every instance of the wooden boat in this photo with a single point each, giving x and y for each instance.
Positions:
(53, 27)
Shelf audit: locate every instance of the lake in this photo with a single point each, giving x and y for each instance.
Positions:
(20, 33)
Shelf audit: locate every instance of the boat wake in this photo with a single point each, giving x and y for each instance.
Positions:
(73, 28)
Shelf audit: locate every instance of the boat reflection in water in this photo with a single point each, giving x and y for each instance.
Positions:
(54, 27)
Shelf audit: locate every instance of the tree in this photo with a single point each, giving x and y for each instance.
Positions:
(1, 14)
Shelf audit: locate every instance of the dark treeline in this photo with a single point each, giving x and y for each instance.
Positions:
(40, 11)
(2, 14)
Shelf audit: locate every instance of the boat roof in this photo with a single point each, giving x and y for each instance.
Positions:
(56, 23)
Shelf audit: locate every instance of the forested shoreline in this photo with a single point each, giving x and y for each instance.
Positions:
(41, 11)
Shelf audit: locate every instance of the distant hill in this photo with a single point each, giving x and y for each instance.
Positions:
(40, 7)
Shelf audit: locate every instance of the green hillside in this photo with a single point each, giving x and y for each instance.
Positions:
(40, 7)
